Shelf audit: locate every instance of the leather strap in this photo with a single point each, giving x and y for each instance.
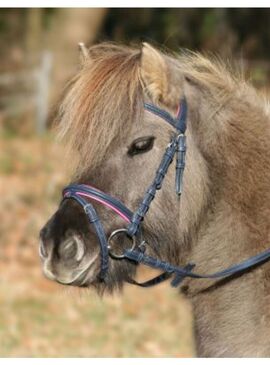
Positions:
(82, 188)
(181, 273)
(161, 278)
(94, 219)
(149, 196)
(179, 123)
(155, 281)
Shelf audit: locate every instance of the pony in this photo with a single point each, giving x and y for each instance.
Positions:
(223, 214)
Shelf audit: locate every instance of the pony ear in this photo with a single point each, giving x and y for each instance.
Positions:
(161, 77)
(84, 54)
(154, 73)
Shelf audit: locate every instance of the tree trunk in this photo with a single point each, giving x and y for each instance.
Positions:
(71, 26)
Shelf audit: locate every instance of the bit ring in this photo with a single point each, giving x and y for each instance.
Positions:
(115, 233)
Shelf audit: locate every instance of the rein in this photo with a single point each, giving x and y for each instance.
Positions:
(82, 193)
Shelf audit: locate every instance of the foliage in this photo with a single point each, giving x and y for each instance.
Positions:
(241, 32)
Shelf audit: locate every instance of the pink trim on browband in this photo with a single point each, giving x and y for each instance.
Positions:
(106, 204)
(178, 111)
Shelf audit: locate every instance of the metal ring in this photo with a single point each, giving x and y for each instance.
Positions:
(115, 233)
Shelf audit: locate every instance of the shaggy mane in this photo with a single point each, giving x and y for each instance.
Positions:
(223, 79)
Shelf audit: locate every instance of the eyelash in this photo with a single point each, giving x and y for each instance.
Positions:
(147, 145)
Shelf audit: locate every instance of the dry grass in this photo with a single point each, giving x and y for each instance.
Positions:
(41, 319)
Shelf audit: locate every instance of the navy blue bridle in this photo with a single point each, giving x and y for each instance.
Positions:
(82, 193)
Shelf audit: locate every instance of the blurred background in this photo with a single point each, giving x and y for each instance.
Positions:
(38, 54)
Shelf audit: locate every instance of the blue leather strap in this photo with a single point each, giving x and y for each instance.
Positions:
(99, 194)
(152, 282)
(176, 281)
(181, 273)
(179, 123)
(180, 163)
(149, 196)
(94, 219)
(178, 147)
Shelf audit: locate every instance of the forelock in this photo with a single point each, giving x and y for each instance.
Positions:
(101, 103)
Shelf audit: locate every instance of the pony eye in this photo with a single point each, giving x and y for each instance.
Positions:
(141, 145)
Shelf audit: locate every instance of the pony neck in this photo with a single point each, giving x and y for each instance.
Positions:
(232, 317)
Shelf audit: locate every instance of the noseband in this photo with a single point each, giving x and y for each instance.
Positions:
(83, 193)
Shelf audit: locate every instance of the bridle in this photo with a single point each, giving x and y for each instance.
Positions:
(82, 193)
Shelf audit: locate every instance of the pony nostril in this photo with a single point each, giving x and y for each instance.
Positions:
(42, 250)
(72, 248)
(80, 249)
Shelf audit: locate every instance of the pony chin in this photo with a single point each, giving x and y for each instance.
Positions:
(114, 281)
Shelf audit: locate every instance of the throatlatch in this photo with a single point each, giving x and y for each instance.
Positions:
(177, 147)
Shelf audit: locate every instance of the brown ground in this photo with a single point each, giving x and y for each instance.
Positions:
(42, 319)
